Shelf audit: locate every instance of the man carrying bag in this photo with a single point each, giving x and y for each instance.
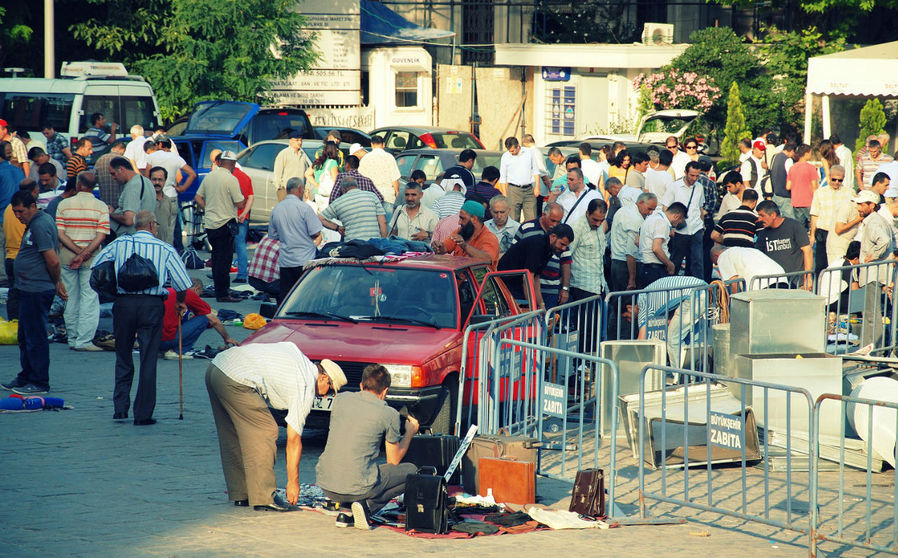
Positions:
(141, 265)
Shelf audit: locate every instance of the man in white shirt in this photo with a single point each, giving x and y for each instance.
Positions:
(380, 167)
(688, 243)
(739, 262)
(624, 240)
(846, 159)
(754, 168)
(500, 225)
(591, 169)
(735, 187)
(658, 179)
(654, 238)
(575, 199)
(241, 392)
(540, 161)
(135, 152)
(517, 176)
(172, 162)
(680, 159)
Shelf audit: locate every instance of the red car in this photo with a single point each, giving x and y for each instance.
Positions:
(409, 315)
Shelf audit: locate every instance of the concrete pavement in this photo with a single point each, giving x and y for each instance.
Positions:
(75, 483)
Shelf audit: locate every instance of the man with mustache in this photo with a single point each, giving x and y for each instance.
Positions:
(471, 239)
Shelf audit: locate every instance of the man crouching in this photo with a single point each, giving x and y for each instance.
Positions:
(242, 383)
(347, 470)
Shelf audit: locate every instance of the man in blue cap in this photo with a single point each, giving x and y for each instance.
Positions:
(471, 239)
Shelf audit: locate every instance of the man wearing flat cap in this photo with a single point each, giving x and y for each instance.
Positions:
(471, 239)
(243, 382)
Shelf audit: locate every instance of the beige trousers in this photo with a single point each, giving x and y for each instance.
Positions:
(247, 438)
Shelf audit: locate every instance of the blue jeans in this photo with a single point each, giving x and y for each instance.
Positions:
(190, 332)
(240, 248)
(34, 347)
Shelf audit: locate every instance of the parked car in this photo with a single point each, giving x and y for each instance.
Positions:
(434, 161)
(347, 135)
(357, 314)
(258, 163)
(402, 138)
(232, 125)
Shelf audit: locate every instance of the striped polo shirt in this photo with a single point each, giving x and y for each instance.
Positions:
(550, 276)
(80, 218)
(738, 227)
(357, 210)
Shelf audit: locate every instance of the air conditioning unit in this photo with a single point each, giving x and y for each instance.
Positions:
(658, 34)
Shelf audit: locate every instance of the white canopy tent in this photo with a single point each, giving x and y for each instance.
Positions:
(870, 71)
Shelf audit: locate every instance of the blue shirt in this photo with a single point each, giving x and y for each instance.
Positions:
(169, 266)
(10, 177)
(294, 223)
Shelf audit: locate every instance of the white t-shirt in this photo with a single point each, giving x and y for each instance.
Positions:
(170, 161)
(657, 181)
(747, 263)
(656, 225)
(591, 170)
(678, 166)
(134, 151)
(568, 201)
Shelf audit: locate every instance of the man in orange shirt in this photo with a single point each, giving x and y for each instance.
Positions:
(471, 239)
(14, 230)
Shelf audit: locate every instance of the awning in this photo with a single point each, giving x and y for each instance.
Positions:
(869, 71)
(383, 26)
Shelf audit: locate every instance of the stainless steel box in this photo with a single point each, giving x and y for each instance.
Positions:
(777, 321)
(630, 357)
(817, 373)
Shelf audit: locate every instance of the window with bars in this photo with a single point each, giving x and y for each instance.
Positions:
(561, 101)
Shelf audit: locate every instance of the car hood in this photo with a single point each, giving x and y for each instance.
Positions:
(684, 115)
(362, 342)
(220, 118)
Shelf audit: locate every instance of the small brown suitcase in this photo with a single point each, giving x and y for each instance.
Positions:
(588, 496)
(496, 445)
(511, 481)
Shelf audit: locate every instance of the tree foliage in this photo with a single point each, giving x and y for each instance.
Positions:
(872, 121)
(588, 21)
(735, 130)
(196, 50)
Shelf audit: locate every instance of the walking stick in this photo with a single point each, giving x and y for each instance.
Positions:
(180, 374)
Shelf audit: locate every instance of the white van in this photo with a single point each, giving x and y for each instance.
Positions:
(68, 102)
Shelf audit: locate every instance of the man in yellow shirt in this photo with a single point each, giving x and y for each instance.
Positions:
(14, 230)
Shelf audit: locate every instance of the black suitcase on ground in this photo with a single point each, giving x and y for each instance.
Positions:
(434, 451)
(426, 502)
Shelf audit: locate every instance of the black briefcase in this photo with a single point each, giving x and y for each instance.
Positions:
(426, 502)
(435, 451)
(588, 495)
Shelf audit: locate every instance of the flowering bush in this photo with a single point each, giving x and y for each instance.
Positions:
(673, 89)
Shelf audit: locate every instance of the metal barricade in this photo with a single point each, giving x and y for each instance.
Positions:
(792, 280)
(568, 410)
(692, 436)
(847, 516)
(681, 317)
(859, 304)
(482, 389)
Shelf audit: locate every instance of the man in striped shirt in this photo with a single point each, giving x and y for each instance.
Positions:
(361, 213)
(78, 163)
(83, 223)
(140, 314)
(739, 226)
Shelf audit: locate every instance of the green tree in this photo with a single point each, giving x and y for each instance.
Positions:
(196, 50)
(644, 104)
(872, 121)
(735, 130)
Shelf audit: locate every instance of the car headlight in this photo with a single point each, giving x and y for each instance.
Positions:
(400, 374)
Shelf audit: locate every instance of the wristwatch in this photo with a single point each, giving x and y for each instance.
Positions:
(565, 288)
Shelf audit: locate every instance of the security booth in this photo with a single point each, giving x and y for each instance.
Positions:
(400, 85)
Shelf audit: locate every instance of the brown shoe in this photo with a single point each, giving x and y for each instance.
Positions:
(229, 299)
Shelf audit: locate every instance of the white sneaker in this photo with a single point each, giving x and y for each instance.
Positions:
(173, 355)
(360, 517)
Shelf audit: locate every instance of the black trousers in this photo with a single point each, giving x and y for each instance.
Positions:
(618, 327)
(820, 259)
(12, 299)
(141, 316)
(647, 274)
(222, 254)
(289, 276)
(589, 314)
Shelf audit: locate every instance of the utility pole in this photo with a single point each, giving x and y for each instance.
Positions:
(49, 44)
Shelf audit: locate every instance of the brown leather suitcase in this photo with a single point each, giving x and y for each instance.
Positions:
(511, 481)
(496, 445)
(588, 495)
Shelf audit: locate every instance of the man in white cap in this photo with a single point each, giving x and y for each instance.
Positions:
(241, 392)
(357, 150)
(877, 241)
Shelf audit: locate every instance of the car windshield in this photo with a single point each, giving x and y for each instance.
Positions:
(375, 293)
(484, 160)
(455, 140)
(217, 117)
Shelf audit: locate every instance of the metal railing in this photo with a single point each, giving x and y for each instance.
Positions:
(792, 280)
(859, 302)
(851, 513)
(700, 434)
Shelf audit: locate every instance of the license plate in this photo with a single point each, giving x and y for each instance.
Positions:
(322, 403)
